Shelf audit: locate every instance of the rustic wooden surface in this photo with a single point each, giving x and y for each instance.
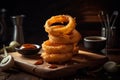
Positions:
(17, 74)
(79, 61)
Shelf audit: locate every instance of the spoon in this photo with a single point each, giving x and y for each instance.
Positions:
(7, 61)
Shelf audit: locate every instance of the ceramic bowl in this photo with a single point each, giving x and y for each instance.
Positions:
(29, 51)
(94, 43)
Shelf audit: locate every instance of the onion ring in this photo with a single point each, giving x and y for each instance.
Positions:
(49, 47)
(76, 48)
(67, 29)
(74, 37)
(56, 58)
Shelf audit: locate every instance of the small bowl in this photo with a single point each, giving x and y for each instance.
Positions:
(28, 51)
(95, 43)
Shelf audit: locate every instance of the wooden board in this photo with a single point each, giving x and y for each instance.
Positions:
(82, 60)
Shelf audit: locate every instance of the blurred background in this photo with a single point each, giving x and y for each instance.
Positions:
(38, 11)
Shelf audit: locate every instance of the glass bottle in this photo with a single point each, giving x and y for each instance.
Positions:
(110, 34)
(3, 27)
(18, 28)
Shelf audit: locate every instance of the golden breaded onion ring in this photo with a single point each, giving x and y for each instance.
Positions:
(60, 30)
(49, 47)
(74, 37)
(56, 58)
(76, 48)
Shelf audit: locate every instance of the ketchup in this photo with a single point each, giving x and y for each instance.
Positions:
(39, 62)
(28, 46)
(52, 66)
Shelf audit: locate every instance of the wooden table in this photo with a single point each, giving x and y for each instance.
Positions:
(97, 74)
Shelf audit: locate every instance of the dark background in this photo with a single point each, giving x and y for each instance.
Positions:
(38, 11)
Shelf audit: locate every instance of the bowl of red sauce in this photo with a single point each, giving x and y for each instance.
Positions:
(28, 49)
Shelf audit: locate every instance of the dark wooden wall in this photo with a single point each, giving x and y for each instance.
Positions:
(38, 11)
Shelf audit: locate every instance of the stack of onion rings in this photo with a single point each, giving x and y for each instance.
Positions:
(62, 41)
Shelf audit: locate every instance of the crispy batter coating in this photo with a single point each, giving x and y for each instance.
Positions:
(50, 47)
(56, 58)
(66, 29)
(66, 39)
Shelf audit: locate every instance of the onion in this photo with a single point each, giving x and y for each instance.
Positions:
(14, 44)
(110, 66)
(7, 62)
